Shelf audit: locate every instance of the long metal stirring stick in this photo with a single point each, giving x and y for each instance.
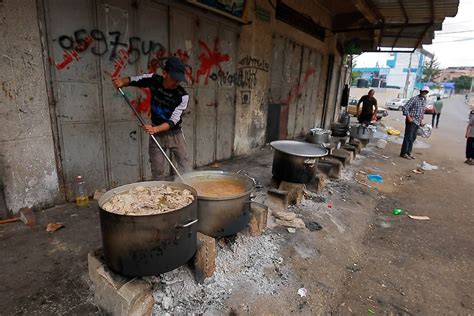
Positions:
(142, 122)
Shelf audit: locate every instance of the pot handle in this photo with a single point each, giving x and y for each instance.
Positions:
(310, 162)
(255, 182)
(188, 224)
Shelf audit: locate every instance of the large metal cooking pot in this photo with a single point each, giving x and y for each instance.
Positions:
(150, 244)
(295, 161)
(339, 129)
(318, 136)
(361, 132)
(226, 215)
(345, 119)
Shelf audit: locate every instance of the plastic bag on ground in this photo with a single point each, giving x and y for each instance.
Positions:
(425, 130)
(427, 167)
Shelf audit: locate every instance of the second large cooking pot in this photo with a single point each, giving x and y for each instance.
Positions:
(222, 215)
(318, 136)
(146, 245)
(361, 132)
(295, 161)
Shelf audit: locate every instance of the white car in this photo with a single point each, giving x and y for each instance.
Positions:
(396, 104)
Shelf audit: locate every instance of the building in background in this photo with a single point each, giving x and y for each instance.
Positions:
(402, 71)
(452, 73)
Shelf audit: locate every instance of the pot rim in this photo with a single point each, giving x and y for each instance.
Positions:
(276, 143)
(221, 174)
(319, 131)
(124, 188)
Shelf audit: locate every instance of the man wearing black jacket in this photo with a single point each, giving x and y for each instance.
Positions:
(369, 108)
(168, 101)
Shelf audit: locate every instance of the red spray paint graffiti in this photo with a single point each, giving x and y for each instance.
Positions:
(209, 59)
(120, 62)
(70, 55)
(154, 64)
(297, 89)
(143, 104)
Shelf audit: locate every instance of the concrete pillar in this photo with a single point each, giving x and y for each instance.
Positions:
(29, 174)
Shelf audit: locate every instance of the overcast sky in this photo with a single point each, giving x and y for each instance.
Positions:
(452, 46)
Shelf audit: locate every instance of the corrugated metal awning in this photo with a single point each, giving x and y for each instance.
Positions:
(413, 12)
(396, 24)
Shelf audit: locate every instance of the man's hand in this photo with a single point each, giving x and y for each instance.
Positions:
(119, 83)
(150, 129)
(409, 119)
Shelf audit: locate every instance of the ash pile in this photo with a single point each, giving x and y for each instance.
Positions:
(240, 265)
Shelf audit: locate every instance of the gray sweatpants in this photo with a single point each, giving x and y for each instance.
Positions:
(174, 141)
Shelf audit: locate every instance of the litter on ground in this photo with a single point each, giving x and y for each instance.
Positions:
(420, 218)
(375, 178)
(427, 167)
(52, 227)
(302, 292)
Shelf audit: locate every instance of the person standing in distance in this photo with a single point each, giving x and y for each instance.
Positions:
(414, 111)
(369, 108)
(470, 140)
(168, 101)
(438, 106)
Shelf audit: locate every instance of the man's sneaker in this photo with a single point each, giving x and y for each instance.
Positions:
(411, 157)
(405, 156)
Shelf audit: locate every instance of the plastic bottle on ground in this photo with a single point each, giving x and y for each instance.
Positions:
(82, 199)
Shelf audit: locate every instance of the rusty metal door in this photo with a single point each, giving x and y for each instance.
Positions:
(123, 146)
(311, 111)
(153, 27)
(292, 97)
(91, 41)
(77, 93)
(333, 103)
(214, 91)
(226, 93)
(182, 42)
(206, 102)
(319, 95)
(294, 81)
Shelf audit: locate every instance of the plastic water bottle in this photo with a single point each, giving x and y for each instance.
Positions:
(82, 199)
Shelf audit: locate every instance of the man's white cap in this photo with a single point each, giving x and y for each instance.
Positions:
(426, 88)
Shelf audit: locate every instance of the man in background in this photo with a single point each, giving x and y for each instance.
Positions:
(470, 140)
(438, 106)
(369, 108)
(414, 111)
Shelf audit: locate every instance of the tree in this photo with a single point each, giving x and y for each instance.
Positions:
(354, 74)
(431, 70)
(462, 83)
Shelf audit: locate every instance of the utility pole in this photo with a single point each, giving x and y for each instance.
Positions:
(405, 91)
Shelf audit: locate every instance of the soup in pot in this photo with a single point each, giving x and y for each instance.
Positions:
(218, 188)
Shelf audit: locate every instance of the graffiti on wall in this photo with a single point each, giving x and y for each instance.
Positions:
(246, 75)
(73, 52)
(135, 46)
(209, 59)
(297, 89)
(123, 52)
